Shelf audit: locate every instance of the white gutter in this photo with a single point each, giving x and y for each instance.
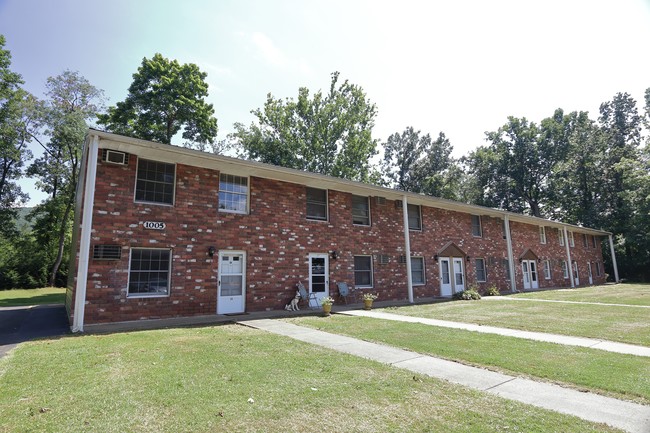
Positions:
(511, 259)
(86, 229)
(611, 248)
(568, 255)
(407, 246)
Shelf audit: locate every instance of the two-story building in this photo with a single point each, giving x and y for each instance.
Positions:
(163, 231)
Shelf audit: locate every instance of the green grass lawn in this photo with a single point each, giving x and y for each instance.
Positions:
(616, 375)
(18, 297)
(627, 325)
(201, 380)
(630, 294)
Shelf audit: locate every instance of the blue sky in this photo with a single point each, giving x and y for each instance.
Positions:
(460, 67)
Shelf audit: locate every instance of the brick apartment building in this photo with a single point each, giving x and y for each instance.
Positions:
(162, 231)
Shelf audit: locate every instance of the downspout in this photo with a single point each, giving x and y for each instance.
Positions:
(86, 229)
(407, 245)
(611, 248)
(511, 258)
(568, 255)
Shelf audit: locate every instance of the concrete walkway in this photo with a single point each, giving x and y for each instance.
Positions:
(510, 298)
(634, 418)
(591, 343)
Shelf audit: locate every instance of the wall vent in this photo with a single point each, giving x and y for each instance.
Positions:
(383, 259)
(107, 252)
(114, 157)
(380, 201)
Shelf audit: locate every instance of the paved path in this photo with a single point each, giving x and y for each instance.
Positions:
(592, 343)
(632, 417)
(18, 324)
(510, 298)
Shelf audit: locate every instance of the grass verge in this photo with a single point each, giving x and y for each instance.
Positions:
(200, 380)
(621, 376)
(19, 297)
(628, 294)
(627, 325)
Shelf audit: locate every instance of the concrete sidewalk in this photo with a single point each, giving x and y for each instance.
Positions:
(591, 343)
(634, 418)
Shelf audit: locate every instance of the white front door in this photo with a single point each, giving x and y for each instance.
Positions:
(591, 277)
(529, 270)
(232, 282)
(319, 275)
(459, 275)
(576, 279)
(445, 277)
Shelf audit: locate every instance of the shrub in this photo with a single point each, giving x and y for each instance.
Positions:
(492, 291)
(467, 295)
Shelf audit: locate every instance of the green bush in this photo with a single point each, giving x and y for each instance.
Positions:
(467, 295)
(492, 291)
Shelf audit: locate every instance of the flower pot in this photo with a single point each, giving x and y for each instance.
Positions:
(327, 309)
(367, 304)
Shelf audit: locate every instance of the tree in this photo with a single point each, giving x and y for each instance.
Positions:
(72, 101)
(327, 133)
(164, 98)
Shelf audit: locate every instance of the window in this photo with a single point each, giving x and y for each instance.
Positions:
(360, 210)
(417, 270)
(149, 272)
(542, 234)
(363, 271)
(316, 204)
(584, 241)
(593, 240)
(233, 193)
(571, 240)
(155, 182)
(547, 269)
(565, 270)
(598, 269)
(506, 264)
(560, 236)
(476, 226)
(481, 274)
(415, 219)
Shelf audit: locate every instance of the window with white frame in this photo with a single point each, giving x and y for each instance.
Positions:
(233, 193)
(149, 272)
(542, 234)
(584, 240)
(363, 271)
(317, 204)
(593, 241)
(547, 269)
(360, 210)
(476, 226)
(481, 273)
(414, 217)
(565, 269)
(560, 236)
(155, 182)
(572, 242)
(417, 270)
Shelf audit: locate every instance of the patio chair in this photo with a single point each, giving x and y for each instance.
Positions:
(345, 292)
(312, 300)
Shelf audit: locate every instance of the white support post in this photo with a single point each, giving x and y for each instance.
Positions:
(568, 255)
(611, 248)
(86, 229)
(407, 246)
(511, 259)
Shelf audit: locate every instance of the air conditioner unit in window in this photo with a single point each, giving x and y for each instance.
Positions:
(115, 157)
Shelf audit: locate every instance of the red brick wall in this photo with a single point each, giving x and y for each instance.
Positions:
(277, 239)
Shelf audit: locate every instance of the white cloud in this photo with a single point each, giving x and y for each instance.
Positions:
(267, 48)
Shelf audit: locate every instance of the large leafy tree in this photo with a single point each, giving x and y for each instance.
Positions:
(165, 98)
(327, 133)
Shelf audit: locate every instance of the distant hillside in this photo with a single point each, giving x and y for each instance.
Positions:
(21, 219)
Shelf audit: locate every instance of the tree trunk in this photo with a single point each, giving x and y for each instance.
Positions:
(59, 254)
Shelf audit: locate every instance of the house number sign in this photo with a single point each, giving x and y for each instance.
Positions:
(154, 225)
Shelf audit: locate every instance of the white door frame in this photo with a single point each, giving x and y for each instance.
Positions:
(446, 289)
(319, 295)
(589, 274)
(576, 276)
(530, 273)
(231, 304)
(455, 286)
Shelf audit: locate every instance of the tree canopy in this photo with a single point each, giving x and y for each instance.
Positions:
(164, 98)
(326, 133)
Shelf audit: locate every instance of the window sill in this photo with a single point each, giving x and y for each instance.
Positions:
(233, 211)
(144, 296)
(153, 203)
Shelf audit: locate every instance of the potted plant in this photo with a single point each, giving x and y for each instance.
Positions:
(367, 300)
(326, 303)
